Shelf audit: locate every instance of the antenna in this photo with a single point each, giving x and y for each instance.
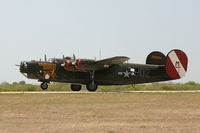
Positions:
(100, 54)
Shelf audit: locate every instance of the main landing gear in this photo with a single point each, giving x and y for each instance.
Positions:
(91, 86)
(44, 85)
(75, 87)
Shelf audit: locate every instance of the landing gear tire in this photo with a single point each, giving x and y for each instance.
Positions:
(91, 86)
(133, 85)
(44, 85)
(75, 87)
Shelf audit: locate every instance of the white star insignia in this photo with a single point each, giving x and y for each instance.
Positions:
(126, 74)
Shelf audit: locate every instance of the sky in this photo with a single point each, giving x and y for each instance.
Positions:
(134, 28)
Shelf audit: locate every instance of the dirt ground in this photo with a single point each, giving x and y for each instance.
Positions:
(100, 113)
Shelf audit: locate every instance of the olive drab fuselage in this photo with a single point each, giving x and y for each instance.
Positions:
(115, 75)
(111, 71)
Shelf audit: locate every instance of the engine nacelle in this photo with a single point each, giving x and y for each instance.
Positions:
(72, 65)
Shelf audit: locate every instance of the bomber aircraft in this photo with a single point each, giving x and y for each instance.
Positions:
(110, 71)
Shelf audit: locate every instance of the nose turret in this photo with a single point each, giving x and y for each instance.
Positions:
(23, 67)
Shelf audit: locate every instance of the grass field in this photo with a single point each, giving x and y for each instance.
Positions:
(66, 87)
(100, 113)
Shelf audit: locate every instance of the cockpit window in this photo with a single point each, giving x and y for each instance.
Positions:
(68, 58)
(52, 60)
(24, 64)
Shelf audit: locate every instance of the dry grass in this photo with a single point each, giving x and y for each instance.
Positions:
(102, 113)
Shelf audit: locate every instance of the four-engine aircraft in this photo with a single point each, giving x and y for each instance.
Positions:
(111, 71)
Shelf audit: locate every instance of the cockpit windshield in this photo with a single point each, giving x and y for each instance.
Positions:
(68, 58)
(52, 60)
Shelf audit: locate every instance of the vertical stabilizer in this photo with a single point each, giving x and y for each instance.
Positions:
(176, 64)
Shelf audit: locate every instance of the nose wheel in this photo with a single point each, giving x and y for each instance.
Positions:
(44, 85)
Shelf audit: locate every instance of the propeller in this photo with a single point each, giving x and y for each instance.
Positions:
(74, 60)
(45, 57)
(63, 61)
(74, 56)
(63, 58)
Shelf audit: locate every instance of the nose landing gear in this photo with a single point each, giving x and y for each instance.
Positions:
(44, 85)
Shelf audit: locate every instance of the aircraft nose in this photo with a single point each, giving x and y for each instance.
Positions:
(23, 66)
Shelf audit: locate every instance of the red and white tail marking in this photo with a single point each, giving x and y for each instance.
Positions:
(176, 66)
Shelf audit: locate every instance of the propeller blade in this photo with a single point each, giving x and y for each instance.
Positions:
(74, 57)
(63, 58)
(74, 60)
(45, 57)
(63, 61)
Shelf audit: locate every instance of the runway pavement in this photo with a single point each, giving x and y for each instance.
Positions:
(82, 92)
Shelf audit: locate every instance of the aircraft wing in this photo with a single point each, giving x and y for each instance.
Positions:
(106, 63)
